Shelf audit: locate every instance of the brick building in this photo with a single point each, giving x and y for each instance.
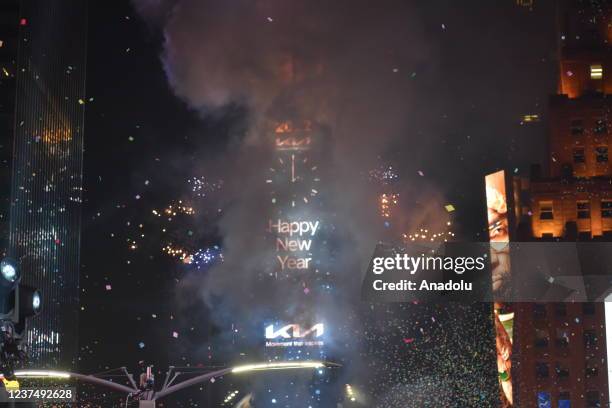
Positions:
(559, 349)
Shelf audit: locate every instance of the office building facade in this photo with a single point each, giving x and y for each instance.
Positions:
(45, 206)
(9, 40)
(559, 350)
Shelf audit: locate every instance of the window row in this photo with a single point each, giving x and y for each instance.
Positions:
(601, 154)
(562, 340)
(560, 309)
(592, 399)
(577, 127)
(583, 209)
(562, 371)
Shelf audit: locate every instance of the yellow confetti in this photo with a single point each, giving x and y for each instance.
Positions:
(449, 207)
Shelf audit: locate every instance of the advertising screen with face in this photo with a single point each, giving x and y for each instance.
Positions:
(497, 217)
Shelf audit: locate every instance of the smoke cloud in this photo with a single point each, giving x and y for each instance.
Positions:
(372, 74)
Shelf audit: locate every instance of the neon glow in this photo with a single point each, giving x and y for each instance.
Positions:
(41, 374)
(278, 366)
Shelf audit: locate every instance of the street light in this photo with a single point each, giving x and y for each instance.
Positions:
(280, 365)
(18, 302)
(29, 301)
(291, 365)
(9, 271)
(41, 374)
(36, 301)
(149, 400)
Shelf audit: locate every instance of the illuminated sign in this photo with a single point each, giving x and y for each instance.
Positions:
(294, 227)
(292, 237)
(292, 137)
(289, 126)
(294, 331)
(294, 335)
(292, 143)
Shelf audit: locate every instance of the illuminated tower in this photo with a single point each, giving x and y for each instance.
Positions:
(47, 169)
(298, 231)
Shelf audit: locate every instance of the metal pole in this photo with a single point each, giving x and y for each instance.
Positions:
(192, 381)
(104, 383)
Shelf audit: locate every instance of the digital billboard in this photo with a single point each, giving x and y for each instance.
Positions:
(499, 236)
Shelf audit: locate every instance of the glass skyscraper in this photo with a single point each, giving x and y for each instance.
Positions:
(9, 40)
(45, 205)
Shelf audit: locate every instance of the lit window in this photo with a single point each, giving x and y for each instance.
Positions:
(583, 209)
(578, 155)
(596, 71)
(564, 400)
(606, 208)
(546, 210)
(544, 399)
(601, 154)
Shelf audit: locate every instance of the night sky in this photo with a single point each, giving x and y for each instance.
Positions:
(459, 78)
